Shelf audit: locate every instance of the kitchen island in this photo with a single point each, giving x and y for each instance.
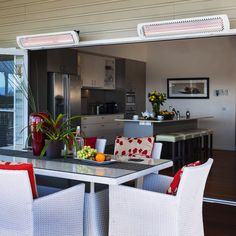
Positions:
(144, 127)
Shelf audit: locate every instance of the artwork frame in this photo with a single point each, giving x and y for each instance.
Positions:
(189, 88)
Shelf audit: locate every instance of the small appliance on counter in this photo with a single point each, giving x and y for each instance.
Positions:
(96, 109)
(100, 109)
(103, 108)
(111, 108)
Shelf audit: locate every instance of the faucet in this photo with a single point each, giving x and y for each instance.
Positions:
(173, 109)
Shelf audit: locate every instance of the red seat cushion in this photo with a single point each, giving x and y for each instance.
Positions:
(134, 147)
(172, 190)
(90, 141)
(22, 166)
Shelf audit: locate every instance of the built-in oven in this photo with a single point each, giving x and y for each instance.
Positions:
(130, 104)
(130, 98)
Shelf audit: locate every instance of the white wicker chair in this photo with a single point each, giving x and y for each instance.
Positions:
(96, 213)
(58, 214)
(156, 152)
(135, 212)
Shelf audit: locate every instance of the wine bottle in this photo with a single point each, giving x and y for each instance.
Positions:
(80, 141)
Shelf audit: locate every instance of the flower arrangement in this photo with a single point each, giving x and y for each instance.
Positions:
(156, 100)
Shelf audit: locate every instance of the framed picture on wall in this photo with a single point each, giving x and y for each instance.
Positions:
(188, 88)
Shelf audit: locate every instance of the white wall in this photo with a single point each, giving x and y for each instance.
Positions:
(214, 58)
(99, 19)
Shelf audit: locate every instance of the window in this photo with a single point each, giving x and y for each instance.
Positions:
(13, 107)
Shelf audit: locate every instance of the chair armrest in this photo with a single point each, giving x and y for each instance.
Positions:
(60, 213)
(157, 183)
(140, 212)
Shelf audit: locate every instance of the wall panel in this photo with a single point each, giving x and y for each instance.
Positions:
(98, 19)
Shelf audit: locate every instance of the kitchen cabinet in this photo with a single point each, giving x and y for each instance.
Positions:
(131, 79)
(102, 126)
(62, 61)
(109, 81)
(97, 71)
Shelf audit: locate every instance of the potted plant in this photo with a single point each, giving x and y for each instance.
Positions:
(58, 133)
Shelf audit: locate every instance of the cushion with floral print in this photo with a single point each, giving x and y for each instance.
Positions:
(172, 190)
(134, 147)
(22, 166)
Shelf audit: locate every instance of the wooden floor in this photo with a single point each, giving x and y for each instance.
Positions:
(221, 182)
(220, 220)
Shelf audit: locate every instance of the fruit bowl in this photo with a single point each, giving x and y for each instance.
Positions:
(168, 115)
(91, 154)
(87, 153)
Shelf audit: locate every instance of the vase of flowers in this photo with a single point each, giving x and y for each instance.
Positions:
(157, 99)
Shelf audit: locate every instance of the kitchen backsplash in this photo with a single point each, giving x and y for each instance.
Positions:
(107, 101)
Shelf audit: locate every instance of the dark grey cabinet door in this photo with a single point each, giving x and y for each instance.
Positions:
(62, 61)
(135, 81)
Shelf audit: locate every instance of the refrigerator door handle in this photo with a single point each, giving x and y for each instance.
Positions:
(65, 91)
(68, 96)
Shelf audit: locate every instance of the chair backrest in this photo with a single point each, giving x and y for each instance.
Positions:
(16, 201)
(190, 197)
(134, 146)
(156, 151)
(100, 145)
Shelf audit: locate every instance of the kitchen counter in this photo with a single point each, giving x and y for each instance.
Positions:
(103, 126)
(144, 127)
(164, 121)
(85, 115)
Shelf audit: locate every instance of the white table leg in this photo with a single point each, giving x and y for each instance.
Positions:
(139, 183)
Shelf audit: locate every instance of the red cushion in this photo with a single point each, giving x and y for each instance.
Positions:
(91, 141)
(134, 147)
(172, 190)
(22, 166)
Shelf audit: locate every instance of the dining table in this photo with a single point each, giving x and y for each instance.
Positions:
(119, 170)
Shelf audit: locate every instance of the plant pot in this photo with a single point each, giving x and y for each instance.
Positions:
(54, 149)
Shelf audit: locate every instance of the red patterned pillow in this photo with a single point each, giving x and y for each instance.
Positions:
(91, 141)
(22, 166)
(172, 190)
(133, 147)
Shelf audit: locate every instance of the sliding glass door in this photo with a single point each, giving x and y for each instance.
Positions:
(13, 104)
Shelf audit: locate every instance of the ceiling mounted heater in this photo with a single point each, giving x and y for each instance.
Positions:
(49, 40)
(197, 25)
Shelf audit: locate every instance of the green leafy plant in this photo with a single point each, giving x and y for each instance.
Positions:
(58, 129)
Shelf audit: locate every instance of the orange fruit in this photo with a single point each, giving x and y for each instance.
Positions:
(100, 157)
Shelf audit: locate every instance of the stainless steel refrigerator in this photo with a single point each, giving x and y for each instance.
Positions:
(64, 94)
